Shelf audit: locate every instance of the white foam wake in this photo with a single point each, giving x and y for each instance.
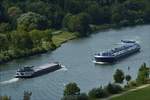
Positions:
(63, 68)
(99, 62)
(10, 81)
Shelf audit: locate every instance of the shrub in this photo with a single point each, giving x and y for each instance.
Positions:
(113, 88)
(71, 89)
(132, 83)
(81, 96)
(97, 93)
(119, 76)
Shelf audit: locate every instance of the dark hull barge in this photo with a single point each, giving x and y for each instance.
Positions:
(115, 54)
(29, 72)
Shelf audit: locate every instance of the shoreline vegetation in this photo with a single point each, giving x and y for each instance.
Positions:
(28, 27)
(115, 90)
(57, 39)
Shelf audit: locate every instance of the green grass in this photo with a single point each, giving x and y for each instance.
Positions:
(141, 94)
(62, 37)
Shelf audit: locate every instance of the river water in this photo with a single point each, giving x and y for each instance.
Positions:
(76, 56)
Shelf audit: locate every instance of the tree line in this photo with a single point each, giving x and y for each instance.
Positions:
(58, 14)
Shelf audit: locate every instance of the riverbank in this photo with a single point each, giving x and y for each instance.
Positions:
(138, 93)
(58, 38)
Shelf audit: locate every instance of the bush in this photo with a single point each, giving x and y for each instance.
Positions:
(113, 88)
(71, 89)
(97, 93)
(119, 76)
(132, 84)
(81, 96)
(30, 20)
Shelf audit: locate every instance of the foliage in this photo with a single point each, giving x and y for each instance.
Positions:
(118, 76)
(113, 88)
(3, 41)
(143, 74)
(132, 83)
(14, 11)
(97, 93)
(21, 43)
(21, 40)
(4, 27)
(79, 23)
(81, 96)
(3, 15)
(71, 89)
(30, 21)
(128, 78)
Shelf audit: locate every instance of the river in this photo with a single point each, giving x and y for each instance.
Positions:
(76, 56)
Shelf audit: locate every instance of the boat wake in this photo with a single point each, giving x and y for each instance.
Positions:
(63, 68)
(10, 81)
(99, 62)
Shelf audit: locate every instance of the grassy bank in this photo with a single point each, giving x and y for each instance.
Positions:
(140, 94)
(62, 37)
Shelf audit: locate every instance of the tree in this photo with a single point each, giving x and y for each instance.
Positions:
(42, 39)
(146, 15)
(81, 96)
(65, 20)
(21, 40)
(113, 89)
(99, 15)
(97, 93)
(14, 11)
(143, 74)
(79, 23)
(3, 42)
(30, 21)
(3, 16)
(128, 78)
(71, 89)
(117, 14)
(4, 27)
(118, 76)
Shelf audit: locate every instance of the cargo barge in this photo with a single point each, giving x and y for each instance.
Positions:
(127, 48)
(31, 71)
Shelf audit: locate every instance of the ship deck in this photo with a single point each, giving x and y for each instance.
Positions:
(44, 66)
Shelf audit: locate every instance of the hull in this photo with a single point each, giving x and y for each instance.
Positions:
(41, 71)
(24, 76)
(108, 59)
(47, 70)
(105, 59)
(127, 53)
